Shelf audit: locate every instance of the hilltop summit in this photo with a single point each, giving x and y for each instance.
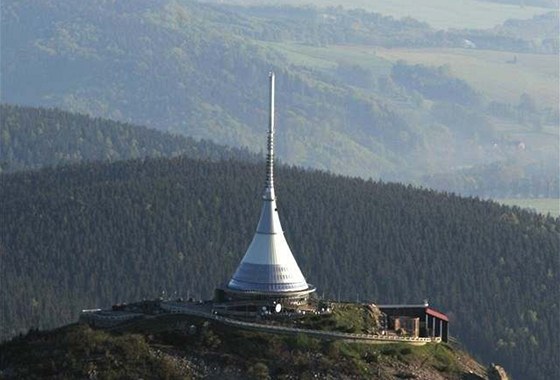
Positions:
(179, 347)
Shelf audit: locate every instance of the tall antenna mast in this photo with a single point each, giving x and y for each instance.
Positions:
(269, 189)
(269, 268)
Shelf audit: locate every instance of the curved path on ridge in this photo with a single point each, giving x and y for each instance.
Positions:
(362, 338)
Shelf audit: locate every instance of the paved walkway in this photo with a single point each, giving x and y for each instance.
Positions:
(362, 338)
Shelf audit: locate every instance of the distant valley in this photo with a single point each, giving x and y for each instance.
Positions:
(359, 93)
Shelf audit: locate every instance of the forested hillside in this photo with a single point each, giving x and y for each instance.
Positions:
(37, 137)
(200, 70)
(96, 234)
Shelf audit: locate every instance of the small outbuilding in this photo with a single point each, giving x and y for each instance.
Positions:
(431, 323)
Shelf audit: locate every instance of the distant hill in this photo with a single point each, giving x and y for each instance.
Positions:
(515, 178)
(96, 234)
(161, 348)
(38, 137)
(537, 3)
(468, 14)
(200, 70)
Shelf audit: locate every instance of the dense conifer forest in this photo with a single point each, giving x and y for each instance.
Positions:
(37, 137)
(96, 234)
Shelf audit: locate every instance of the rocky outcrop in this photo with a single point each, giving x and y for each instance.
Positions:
(496, 372)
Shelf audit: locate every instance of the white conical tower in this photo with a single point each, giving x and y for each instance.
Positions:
(268, 265)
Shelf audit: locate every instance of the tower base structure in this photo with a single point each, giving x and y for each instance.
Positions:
(254, 304)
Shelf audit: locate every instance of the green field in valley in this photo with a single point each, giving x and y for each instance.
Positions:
(488, 72)
(491, 72)
(541, 205)
(329, 57)
(441, 14)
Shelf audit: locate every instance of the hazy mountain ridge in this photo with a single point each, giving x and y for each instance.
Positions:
(200, 70)
(37, 137)
(541, 3)
(97, 234)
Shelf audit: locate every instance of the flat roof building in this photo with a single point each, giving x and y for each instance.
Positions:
(432, 323)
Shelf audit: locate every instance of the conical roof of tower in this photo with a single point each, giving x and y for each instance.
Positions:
(269, 265)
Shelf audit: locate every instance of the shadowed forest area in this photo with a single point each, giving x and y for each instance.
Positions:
(96, 234)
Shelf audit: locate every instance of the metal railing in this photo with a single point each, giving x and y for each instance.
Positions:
(324, 334)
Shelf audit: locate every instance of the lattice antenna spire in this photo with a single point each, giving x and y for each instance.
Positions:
(269, 188)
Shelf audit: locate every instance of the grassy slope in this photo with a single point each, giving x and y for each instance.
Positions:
(329, 57)
(77, 351)
(440, 14)
(489, 71)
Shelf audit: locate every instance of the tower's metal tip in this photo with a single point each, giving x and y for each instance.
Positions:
(269, 188)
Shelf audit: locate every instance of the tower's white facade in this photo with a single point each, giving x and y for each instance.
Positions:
(269, 266)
